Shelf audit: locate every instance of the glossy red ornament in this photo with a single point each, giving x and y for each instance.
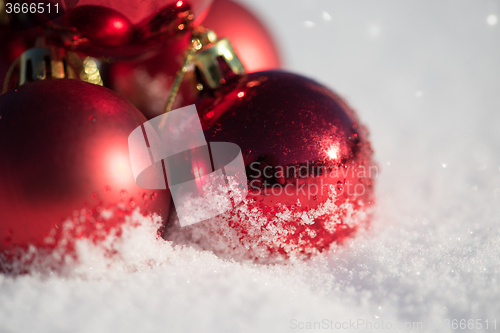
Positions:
(128, 29)
(249, 37)
(308, 162)
(64, 149)
(104, 27)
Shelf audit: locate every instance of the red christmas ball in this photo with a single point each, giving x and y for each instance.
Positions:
(308, 162)
(249, 37)
(122, 30)
(64, 148)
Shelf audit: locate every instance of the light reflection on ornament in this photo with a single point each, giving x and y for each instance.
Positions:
(119, 166)
(117, 24)
(228, 55)
(333, 152)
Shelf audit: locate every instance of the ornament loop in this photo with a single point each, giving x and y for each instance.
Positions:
(180, 75)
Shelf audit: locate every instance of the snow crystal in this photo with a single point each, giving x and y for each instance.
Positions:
(289, 232)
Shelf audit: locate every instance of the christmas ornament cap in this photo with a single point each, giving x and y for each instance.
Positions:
(41, 63)
(208, 62)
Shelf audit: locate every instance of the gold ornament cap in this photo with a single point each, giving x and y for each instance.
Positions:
(206, 60)
(50, 62)
(39, 63)
(206, 55)
(42, 63)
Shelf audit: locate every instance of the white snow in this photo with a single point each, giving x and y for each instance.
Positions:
(433, 250)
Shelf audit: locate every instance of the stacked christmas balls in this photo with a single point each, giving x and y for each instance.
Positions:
(77, 85)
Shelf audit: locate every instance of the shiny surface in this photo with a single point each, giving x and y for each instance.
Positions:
(103, 26)
(250, 38)
(282, 120)
(64, 154)
(214, 61)
(128, 29)
(282, 115)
